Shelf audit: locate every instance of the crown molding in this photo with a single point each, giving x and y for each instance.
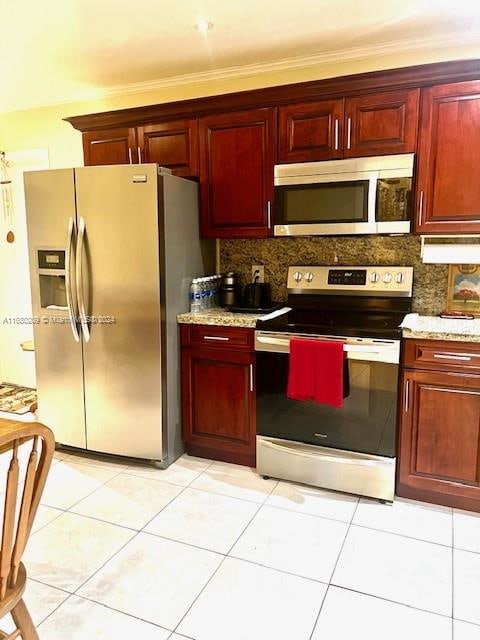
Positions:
(323, 58)
(326, 58)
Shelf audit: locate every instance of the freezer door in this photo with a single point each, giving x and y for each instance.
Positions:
(50, 205)
(118, 207)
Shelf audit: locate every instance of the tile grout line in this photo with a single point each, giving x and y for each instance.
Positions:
(334, 568)
(136, 533)
(188, 486)
(106, 606)
(69, 595)
(122, 547)
(260, 505)
(397, 602)
(225, 556)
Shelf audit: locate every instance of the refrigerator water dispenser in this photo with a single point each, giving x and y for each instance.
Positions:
(51, 279)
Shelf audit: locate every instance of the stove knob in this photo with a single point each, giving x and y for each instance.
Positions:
(387, 277)
(297, 276)
(399, 278)
(309, 276)
(374, 277)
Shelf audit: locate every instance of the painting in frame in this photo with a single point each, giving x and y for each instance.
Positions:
(464, 288)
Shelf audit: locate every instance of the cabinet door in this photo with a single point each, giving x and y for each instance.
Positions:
(219, 404)
(310, 131)
(110, 146)
(381, 123)
(171, 144)
(439, 438)
(236, 174)
(448, 188)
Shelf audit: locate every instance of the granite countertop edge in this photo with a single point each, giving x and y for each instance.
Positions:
(220, 318)
(427, 327)
(440, 335)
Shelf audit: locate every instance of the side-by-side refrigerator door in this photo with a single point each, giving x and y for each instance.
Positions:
(51, 225)
(119, 301)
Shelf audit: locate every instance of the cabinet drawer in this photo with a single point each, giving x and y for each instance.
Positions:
(440, 355)
(202, 335)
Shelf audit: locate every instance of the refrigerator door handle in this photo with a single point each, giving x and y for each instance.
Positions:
(68, 283)
(79, 280)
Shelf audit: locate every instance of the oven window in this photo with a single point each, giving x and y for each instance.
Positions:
(330, 202)
(366, 423)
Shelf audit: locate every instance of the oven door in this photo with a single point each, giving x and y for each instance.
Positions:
(326, 204)
(366, 423)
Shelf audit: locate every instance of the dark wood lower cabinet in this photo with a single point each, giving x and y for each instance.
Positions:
(218, 397)
(439, 452)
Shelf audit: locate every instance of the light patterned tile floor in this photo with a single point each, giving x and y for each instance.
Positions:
(211, 551)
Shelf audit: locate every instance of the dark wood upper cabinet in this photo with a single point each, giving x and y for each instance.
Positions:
(448, 188)
(171, 144)
(368, 125)
(237, 154)
(110, 146)
(310, 131)
(381, 123)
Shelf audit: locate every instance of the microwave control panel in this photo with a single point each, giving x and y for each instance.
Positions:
(368, 281)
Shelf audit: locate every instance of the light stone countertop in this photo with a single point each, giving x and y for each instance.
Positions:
(435, 328)
(414, 325)
(220, 318)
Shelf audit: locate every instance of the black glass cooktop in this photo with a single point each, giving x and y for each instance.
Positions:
(353, 321)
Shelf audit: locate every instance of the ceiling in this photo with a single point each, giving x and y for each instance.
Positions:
(56, 51)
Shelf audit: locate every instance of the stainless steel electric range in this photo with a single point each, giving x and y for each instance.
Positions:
(352, 448)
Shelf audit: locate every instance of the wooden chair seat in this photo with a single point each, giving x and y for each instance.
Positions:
(14, 593)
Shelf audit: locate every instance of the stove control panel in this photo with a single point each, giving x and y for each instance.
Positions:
(367, 281)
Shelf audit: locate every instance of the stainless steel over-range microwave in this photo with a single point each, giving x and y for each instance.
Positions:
(344, 197)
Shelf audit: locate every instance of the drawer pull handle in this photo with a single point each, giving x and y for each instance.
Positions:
(251, 376)
(445, 356)
(221, 338)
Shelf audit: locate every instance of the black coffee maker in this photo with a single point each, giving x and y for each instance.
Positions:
(230, 291)
(257, 295)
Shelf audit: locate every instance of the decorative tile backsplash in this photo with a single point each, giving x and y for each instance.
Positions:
(277, 254)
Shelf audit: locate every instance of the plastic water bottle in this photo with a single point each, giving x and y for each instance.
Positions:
(195, 296)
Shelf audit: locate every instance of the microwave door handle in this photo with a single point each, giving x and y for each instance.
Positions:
(79, 280)
(68, 281)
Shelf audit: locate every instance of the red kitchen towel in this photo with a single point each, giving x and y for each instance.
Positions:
(329, 370)
(301, 372)
(316, 371)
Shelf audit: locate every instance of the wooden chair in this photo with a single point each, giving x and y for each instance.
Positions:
(21, 504)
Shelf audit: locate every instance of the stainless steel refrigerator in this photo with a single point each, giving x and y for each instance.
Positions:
(112, 251)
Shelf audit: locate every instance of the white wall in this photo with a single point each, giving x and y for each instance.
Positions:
(17, 366)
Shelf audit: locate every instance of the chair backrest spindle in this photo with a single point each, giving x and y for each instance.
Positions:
(18, 515)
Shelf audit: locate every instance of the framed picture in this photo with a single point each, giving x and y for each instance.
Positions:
(464, 288)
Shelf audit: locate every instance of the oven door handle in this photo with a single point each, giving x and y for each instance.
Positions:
(322, 457)
(353, 351)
